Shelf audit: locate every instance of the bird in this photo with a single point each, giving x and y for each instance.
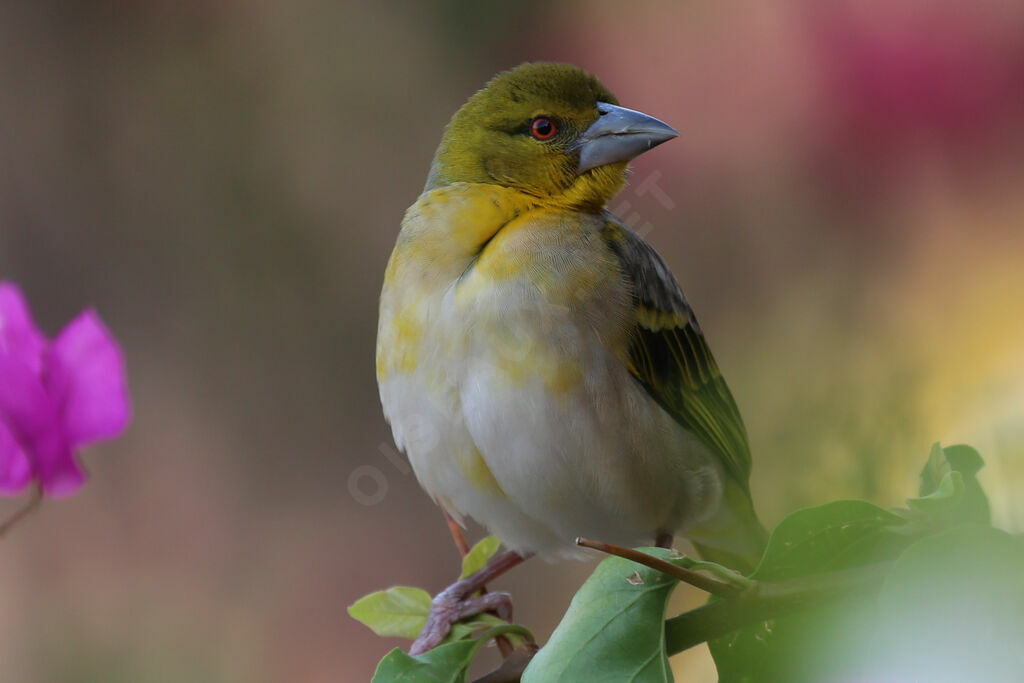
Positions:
(536, 359)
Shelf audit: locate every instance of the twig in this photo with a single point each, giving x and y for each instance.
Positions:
(705, 583)
(33, 502)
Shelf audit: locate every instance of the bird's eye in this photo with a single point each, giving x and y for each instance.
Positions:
(543, 128)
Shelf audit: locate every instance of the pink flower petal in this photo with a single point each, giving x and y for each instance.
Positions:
(29, 420)
(19, 336)
(15, 470)
(85, 377)
(58, 473)
(55, 397)
(25, 408)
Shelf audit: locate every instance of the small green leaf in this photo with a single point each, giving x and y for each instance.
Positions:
(478, 555)
(613, 629)
(974, 505)
(934, 470)
(400, 611)
(950, 493)
(468, 627)
(964, 459)
(968, 463)
(447, 663)
(482, 622)
(946, 496)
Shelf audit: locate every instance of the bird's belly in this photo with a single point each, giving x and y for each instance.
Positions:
(422, 365)
(526, 422)
(573, 439)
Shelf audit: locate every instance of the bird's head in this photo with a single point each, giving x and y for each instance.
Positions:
(552, 131)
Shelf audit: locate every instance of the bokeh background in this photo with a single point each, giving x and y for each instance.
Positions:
(224, 180)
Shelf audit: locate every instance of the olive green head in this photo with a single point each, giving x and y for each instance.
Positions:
(552, 131)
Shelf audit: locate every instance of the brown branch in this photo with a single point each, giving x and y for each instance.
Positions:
(705, 583)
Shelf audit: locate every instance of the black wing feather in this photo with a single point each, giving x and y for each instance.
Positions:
(670, 358)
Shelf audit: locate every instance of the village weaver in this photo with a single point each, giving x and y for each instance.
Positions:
(537, 360)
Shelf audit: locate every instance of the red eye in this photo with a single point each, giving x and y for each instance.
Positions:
(543, 128)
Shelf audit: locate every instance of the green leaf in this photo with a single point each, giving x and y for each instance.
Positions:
(613, 630)
(934, 470)
(444, 664)
(952, 609)
(964, 459)
(971, 504)
(478, 555)
(968, 462)
(841, 534)
(806, 646)
(946, 496)
(447, 663)
(468, 627)
(837, 639)
(400, 611)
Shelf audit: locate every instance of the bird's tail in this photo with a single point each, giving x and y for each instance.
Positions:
(733, 536)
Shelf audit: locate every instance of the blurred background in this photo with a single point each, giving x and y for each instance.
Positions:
(224, 181)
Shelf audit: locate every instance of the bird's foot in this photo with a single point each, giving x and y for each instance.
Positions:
(461, 600)
(456, 603)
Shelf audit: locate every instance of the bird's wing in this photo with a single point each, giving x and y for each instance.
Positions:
(669, 356)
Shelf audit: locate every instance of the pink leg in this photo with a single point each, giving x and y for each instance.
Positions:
(456, 531)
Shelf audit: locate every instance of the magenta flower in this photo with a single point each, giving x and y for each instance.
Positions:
(55, 397)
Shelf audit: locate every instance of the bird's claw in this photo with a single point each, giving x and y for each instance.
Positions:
(454, 604)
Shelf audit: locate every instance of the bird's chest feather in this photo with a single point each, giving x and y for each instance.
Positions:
(477, 277)
(500, 372)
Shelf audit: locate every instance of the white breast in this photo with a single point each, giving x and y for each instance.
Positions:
(517, 409)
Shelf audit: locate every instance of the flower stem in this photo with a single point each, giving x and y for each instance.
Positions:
(33, 502)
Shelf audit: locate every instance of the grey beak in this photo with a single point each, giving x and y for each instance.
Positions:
(620, 134)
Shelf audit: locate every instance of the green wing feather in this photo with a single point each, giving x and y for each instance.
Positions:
(670, 358)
